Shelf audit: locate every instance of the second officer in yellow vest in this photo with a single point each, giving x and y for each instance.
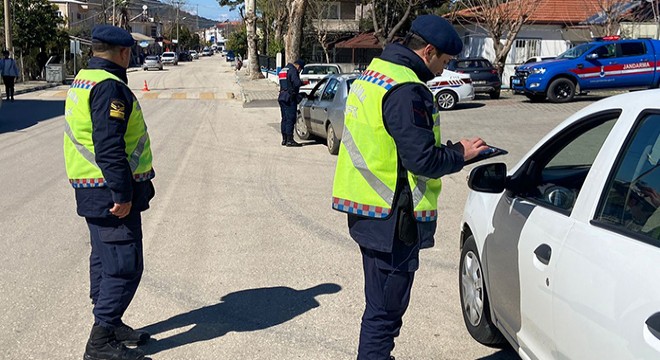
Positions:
(107, 152)
(388, 172)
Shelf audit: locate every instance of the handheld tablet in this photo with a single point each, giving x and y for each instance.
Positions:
(492, 151)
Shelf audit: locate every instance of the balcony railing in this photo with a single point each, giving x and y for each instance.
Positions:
(338, 25)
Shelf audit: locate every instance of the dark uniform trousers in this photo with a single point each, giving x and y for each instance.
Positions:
(388, 278)
(116, 266)
(289, 111)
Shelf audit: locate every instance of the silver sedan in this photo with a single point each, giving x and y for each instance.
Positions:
(321, 113)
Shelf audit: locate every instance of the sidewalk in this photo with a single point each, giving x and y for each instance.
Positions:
(29, 86)
(257, 93)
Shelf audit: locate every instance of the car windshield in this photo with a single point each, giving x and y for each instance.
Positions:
(152, 57)
(575, 52)
(168, 55)
(323, 70)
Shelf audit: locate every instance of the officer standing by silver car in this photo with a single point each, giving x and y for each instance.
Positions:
(108, 160)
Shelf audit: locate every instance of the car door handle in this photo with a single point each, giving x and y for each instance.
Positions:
(653, 324)
(543, 253)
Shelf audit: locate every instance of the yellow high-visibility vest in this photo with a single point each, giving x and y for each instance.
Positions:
(81, 167)
(366, 174)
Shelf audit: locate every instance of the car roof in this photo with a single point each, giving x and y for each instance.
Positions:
(322, 64)
(345, 76)
(472, 59)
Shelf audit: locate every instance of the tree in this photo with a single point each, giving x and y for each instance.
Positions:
(501, 19)
(389, 17)
(233, 5)
(610, 13)
(237, 41)
(251, 30)
(293, 37)
(318, 9)
(35, 22)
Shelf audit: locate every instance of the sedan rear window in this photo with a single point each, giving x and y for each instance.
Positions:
(152, 57)
(471, 64)
(323, 70)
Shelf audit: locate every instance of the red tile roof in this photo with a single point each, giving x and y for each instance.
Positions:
(561, 12)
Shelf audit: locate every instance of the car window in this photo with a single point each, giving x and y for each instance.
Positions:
(319, 89)
(349, 83)
(558, 171)
(632, 199)
(605, 51)
(152, 57)
(633, 48)
(330, 90)
(320, 70)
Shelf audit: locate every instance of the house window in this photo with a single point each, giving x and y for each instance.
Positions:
(332, 10)
(78, 16)
(524, 49)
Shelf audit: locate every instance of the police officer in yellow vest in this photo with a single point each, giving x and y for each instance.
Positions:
(108, 162)
(388, 172)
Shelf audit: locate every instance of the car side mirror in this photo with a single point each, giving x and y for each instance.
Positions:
(593, 56)
(488, 178)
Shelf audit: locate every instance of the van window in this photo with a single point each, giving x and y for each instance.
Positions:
(633, 48)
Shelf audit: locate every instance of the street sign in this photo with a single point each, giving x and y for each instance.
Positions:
(74, 47)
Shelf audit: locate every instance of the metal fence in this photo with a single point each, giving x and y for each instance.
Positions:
(267, 62)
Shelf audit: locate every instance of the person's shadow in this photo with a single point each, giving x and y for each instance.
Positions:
(246, 310)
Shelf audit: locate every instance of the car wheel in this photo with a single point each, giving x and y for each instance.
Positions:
(495, 95)
(301, 128)
(446, 100)
(474, 298)
(561, 90)
(332, 141)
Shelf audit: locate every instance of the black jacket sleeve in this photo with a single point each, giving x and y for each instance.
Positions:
(110, 100)
(407, 115)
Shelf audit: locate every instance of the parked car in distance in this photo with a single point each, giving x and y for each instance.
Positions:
(152, 62)
(450, 88)
(485, 78)
(557, 253)
(230, 56)
(185, 56)
(194, 54)
(169, 57)
(313, 73)
(321, 113)
(206, 51)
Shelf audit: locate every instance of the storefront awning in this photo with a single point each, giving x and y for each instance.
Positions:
(141, 37)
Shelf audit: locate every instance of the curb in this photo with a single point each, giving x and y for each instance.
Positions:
(36, 88)
(238, 81)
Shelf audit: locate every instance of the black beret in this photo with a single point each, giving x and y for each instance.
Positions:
(439, 33)
(300, 62)
(112, 35)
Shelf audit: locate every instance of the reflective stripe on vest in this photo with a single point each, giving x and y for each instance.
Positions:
(365, 181)
(81, 163)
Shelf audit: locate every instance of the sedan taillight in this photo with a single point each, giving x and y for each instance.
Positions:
(494, 71)
(467, 81)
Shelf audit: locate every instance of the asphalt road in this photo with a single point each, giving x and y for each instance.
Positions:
(244, 258)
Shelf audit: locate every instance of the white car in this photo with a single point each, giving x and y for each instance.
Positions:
(194, 54)
(313, 73)
(169, 58)
(560, 255)
(450, 88)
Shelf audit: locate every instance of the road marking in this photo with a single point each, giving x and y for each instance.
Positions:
(151, 96)
(207, 96)
(179, 96)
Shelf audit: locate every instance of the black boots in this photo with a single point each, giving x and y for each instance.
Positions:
(103, 345)
(127, 336)
(283, 139)
(290, 142)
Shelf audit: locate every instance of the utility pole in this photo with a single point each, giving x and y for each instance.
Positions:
(114, 13)
(8, 42)
(197, 18)
(177, 24)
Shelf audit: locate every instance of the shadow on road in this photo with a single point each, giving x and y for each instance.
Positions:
(468, 105)
(507, 353)
(22, 114)
(246, 310)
